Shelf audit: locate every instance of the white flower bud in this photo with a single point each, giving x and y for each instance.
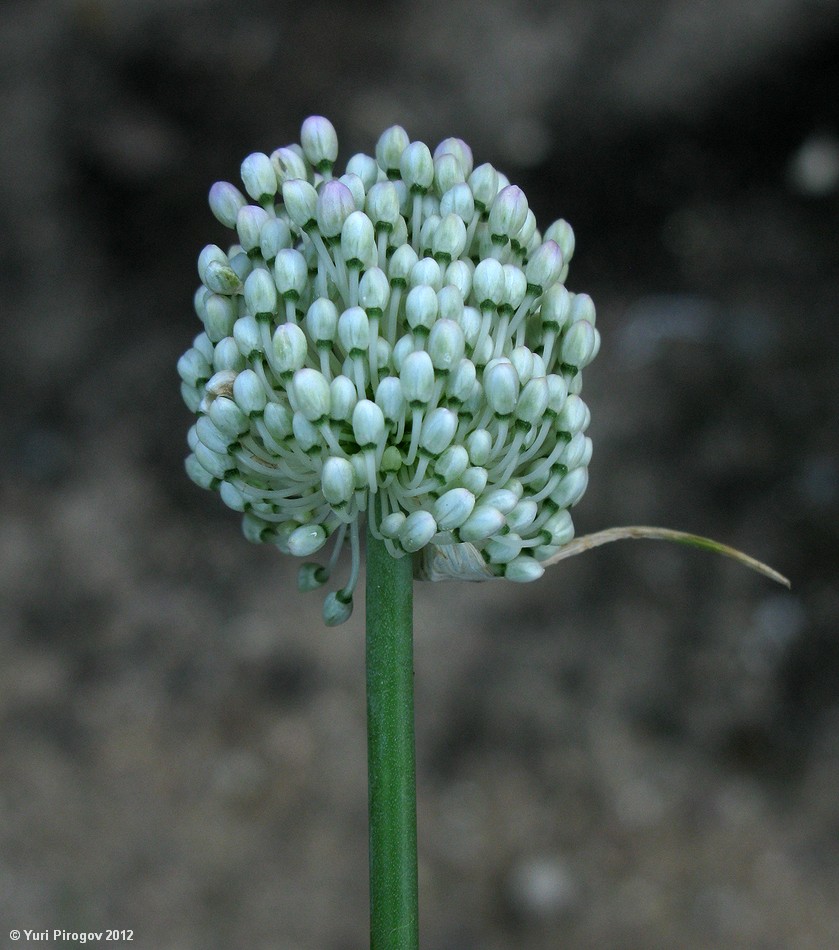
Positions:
(559, 527)
(240, 264)
(261, 294)
(306, 539)
(522, 359)
(290, 273)
(249, 393)
(484, 522)
(210, 253)
(382, 205)
(445, 344)
(215, 464)
(232, 497)
(258, 177)
(193, 368)
(306, 434)
(401, 265)
(311, 394)
(197, 473)
(417, 377)
(227, 417)
(275, 235)
(417, 530)
(208, 434)
(335, 610)
(374, 291)
(451, 464)
(392, 143)
(220, 278)
(368, 424)
(447, 172)
(358, 240)
(479, 446)
(524, 569)
(342, 398)
(475, 479)
(354, 331)
(322, 321)
(320, 142)
(488, 286)
(557, 393)
(288, 165)
(278, 421)
(356, 187)
(366, 168)
(483, 183)
(301, 202)
(249, 224)
(533, 401)
(426, 273)
(460, 150)
(544, 268)
(247, 336)
(507, 214)
(503, 499)
(571, 489)
(582, 308)
(337, 481)
(503, 548)
(522, 516)
(225, 202)
(421, 308)
(574, 416)
(335, 204)
(460, 201)
(417, 167)
(290, 348)
(459, 274)
(449, 239)
(390, 399)
(527, 234)
(404, 346)
(515, 288)
(561, 232)
(579, 345)
(220, 314)
(453, 508)
(438, 429)
(226, 355)
(501, 387)
(392, 524)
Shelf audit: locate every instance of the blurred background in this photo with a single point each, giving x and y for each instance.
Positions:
(641, 750)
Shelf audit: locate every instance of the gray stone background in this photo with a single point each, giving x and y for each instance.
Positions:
(639, 751)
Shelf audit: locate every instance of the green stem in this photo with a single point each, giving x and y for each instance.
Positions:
(390, 750)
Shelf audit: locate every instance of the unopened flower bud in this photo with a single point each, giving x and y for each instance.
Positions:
(374, 291)
(354, 331)
(392, 143)
(320, 142)
(366, 168)
(337, 480)
(258, 177)
(453, 508)
(523, 569)
(301, 202)
(417, 530)
(311, 394)
(417, 377)
(417, 167)
(261, 294)
(579, 345)
(289, 348)
(544, 268)
(438, 430)
(335, 204)
(368, 423)
(507, 214)
(501, 387)
(288, 165)
(290, 273)
(306, 539)
(225, 202)
(484, 522)
(358, 240)
(483, 182)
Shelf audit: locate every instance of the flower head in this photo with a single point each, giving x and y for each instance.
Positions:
(395, 343)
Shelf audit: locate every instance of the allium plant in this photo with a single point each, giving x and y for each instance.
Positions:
(392, 345)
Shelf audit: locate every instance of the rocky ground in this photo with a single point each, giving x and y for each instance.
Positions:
(638, 751)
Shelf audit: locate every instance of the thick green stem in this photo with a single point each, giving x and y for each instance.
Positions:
(390, 750)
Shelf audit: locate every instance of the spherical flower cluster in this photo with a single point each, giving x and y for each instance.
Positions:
(395, 342)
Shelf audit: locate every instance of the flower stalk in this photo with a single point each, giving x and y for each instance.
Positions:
(390, 750)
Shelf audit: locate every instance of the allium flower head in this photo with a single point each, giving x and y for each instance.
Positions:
(394, 343)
